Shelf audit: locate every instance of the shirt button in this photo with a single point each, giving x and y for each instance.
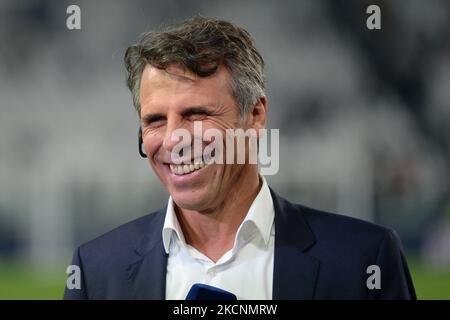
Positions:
(212, 272)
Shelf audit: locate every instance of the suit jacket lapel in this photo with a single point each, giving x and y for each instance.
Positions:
(147, 272)
(295, 272)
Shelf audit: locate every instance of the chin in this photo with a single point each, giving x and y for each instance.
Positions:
(189, 200)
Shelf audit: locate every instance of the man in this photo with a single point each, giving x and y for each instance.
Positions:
(223, 226)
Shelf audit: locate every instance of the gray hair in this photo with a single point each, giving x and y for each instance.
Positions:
(201, 44)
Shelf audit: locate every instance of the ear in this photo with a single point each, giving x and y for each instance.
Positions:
(258, 115)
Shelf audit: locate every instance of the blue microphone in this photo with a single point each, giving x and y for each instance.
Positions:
(204, 292)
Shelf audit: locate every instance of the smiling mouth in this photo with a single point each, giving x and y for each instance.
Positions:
(183, 169)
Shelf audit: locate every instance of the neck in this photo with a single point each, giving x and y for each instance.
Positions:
(213, 232)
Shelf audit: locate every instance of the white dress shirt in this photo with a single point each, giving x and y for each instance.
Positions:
(246, 270)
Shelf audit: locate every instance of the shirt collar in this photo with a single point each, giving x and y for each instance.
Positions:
(171, 226)
(259, 217)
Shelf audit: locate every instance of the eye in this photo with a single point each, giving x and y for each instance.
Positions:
(154, 121)
(196, 114)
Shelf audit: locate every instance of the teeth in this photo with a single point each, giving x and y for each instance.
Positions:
(186, 168)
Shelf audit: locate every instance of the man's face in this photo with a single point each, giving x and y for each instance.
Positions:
(173, 99)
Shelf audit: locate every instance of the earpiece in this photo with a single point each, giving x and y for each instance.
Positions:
(140, 141)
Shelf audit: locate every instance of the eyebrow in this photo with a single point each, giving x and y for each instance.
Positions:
(196, 109)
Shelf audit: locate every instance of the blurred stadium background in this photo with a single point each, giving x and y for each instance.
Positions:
(364, 120)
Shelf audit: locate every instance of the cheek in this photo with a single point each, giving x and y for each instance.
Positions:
(151, 145)
(220, 124)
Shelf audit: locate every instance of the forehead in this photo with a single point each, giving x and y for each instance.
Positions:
(176, 85)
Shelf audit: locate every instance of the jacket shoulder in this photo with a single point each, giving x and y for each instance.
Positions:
(124, 238)
(346, 247)
(327, 223)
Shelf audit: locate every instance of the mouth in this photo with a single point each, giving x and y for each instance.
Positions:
(184, 169)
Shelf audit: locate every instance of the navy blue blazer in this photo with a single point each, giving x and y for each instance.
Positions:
(318, 255)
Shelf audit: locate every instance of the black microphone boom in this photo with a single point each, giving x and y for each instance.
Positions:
(204, 292)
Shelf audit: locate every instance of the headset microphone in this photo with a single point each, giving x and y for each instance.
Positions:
(140, 141)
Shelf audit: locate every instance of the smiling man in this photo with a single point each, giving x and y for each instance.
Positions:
(223, 226)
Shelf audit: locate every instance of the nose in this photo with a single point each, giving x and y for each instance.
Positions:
(176, 135)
